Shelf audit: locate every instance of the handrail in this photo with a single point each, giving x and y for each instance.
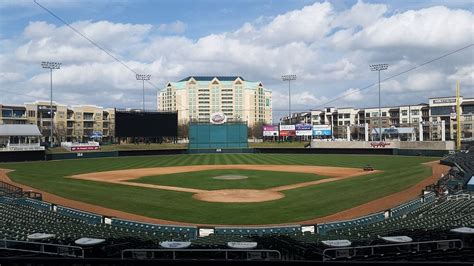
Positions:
(174, 251)
(372, 247)
(42, 248)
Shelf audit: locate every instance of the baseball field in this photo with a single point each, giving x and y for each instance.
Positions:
(237, 189)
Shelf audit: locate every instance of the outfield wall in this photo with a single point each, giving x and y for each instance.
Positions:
(416, 145)
(21, 156)
(41, 156)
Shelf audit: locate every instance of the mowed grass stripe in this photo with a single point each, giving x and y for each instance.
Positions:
(205, 179)
(298, 204)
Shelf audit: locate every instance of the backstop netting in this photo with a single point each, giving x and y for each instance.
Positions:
(210, 136)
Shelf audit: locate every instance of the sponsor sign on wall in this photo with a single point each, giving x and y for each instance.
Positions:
(287, 130)
(84, 148)
(303, 129)
(321, 130)
(218, 118)
(270, 131)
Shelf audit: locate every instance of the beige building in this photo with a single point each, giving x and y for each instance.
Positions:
(196, 98)
(75, 123)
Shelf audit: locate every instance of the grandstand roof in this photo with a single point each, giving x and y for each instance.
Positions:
(19, 130)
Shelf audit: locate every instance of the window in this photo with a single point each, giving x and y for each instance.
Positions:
(441, 110)
(415, 120)
(340, 116)
(404, 120)
(415, 112)
(384, 113)
(340, 123)
(347, 115)
(468, 118)
(367, 114)
(404, 112)
(375, 114)
(467, 126)
(31, 113)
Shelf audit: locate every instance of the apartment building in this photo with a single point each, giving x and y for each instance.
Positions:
(75, 123)
(428, 115)
(444, 109)
(197, 97)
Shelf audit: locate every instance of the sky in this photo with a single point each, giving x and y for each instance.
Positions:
(328, 45)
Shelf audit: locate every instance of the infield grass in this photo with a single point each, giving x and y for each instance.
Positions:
(399, 173)
(256, 179)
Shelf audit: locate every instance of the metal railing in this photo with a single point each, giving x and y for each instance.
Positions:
(42, 248)
(205, 254)
(381, 250)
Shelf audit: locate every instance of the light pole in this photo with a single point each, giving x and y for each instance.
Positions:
(143, 78)
(51, 66)
(379, 67)
(289, 78)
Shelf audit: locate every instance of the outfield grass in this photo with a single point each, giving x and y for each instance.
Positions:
(298, 204)
(205, 179)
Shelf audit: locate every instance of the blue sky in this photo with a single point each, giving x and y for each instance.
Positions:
(327, 44)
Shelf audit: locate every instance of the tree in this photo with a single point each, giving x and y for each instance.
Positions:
(183, 131)
(256, 130)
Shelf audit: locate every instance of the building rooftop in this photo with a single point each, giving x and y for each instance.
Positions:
(209, 78)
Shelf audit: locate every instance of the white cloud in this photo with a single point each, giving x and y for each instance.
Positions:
(465, 75)
(175, 27)
(424, 81)
(10, 77)
(431, 27)
(329, 51)
(352, 95)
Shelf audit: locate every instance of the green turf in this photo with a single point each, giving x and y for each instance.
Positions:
(205, 179)
(298, 204)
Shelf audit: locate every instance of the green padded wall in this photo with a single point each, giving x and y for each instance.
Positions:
(209, 136)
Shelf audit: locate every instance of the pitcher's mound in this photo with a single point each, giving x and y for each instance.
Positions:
(238, 195)
(230, 177)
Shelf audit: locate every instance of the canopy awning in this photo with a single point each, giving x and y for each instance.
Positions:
(19, 130)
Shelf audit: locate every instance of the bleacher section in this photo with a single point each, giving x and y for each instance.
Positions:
(86, 216)
(182, 232)
(366, 220)
(461, 172)
(258, 231)
(406, 207)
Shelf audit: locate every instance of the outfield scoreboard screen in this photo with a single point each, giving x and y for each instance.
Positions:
(146, 124)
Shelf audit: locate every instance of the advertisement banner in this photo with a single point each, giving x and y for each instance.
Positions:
(270, 131)
(84, 148)
(321, 130)
(303, 129)
(287, 130)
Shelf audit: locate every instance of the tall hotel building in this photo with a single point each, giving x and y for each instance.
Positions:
(197, 97)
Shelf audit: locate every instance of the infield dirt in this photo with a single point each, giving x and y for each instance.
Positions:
(124, 177)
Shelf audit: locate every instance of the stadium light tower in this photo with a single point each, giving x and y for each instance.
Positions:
(289, 78)
(379, 67)
(143, 78)
(51, 66)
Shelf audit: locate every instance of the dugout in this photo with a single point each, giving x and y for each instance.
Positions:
(218, 136)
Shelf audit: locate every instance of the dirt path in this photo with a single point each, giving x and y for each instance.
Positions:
(124, 177)
(367, 208)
